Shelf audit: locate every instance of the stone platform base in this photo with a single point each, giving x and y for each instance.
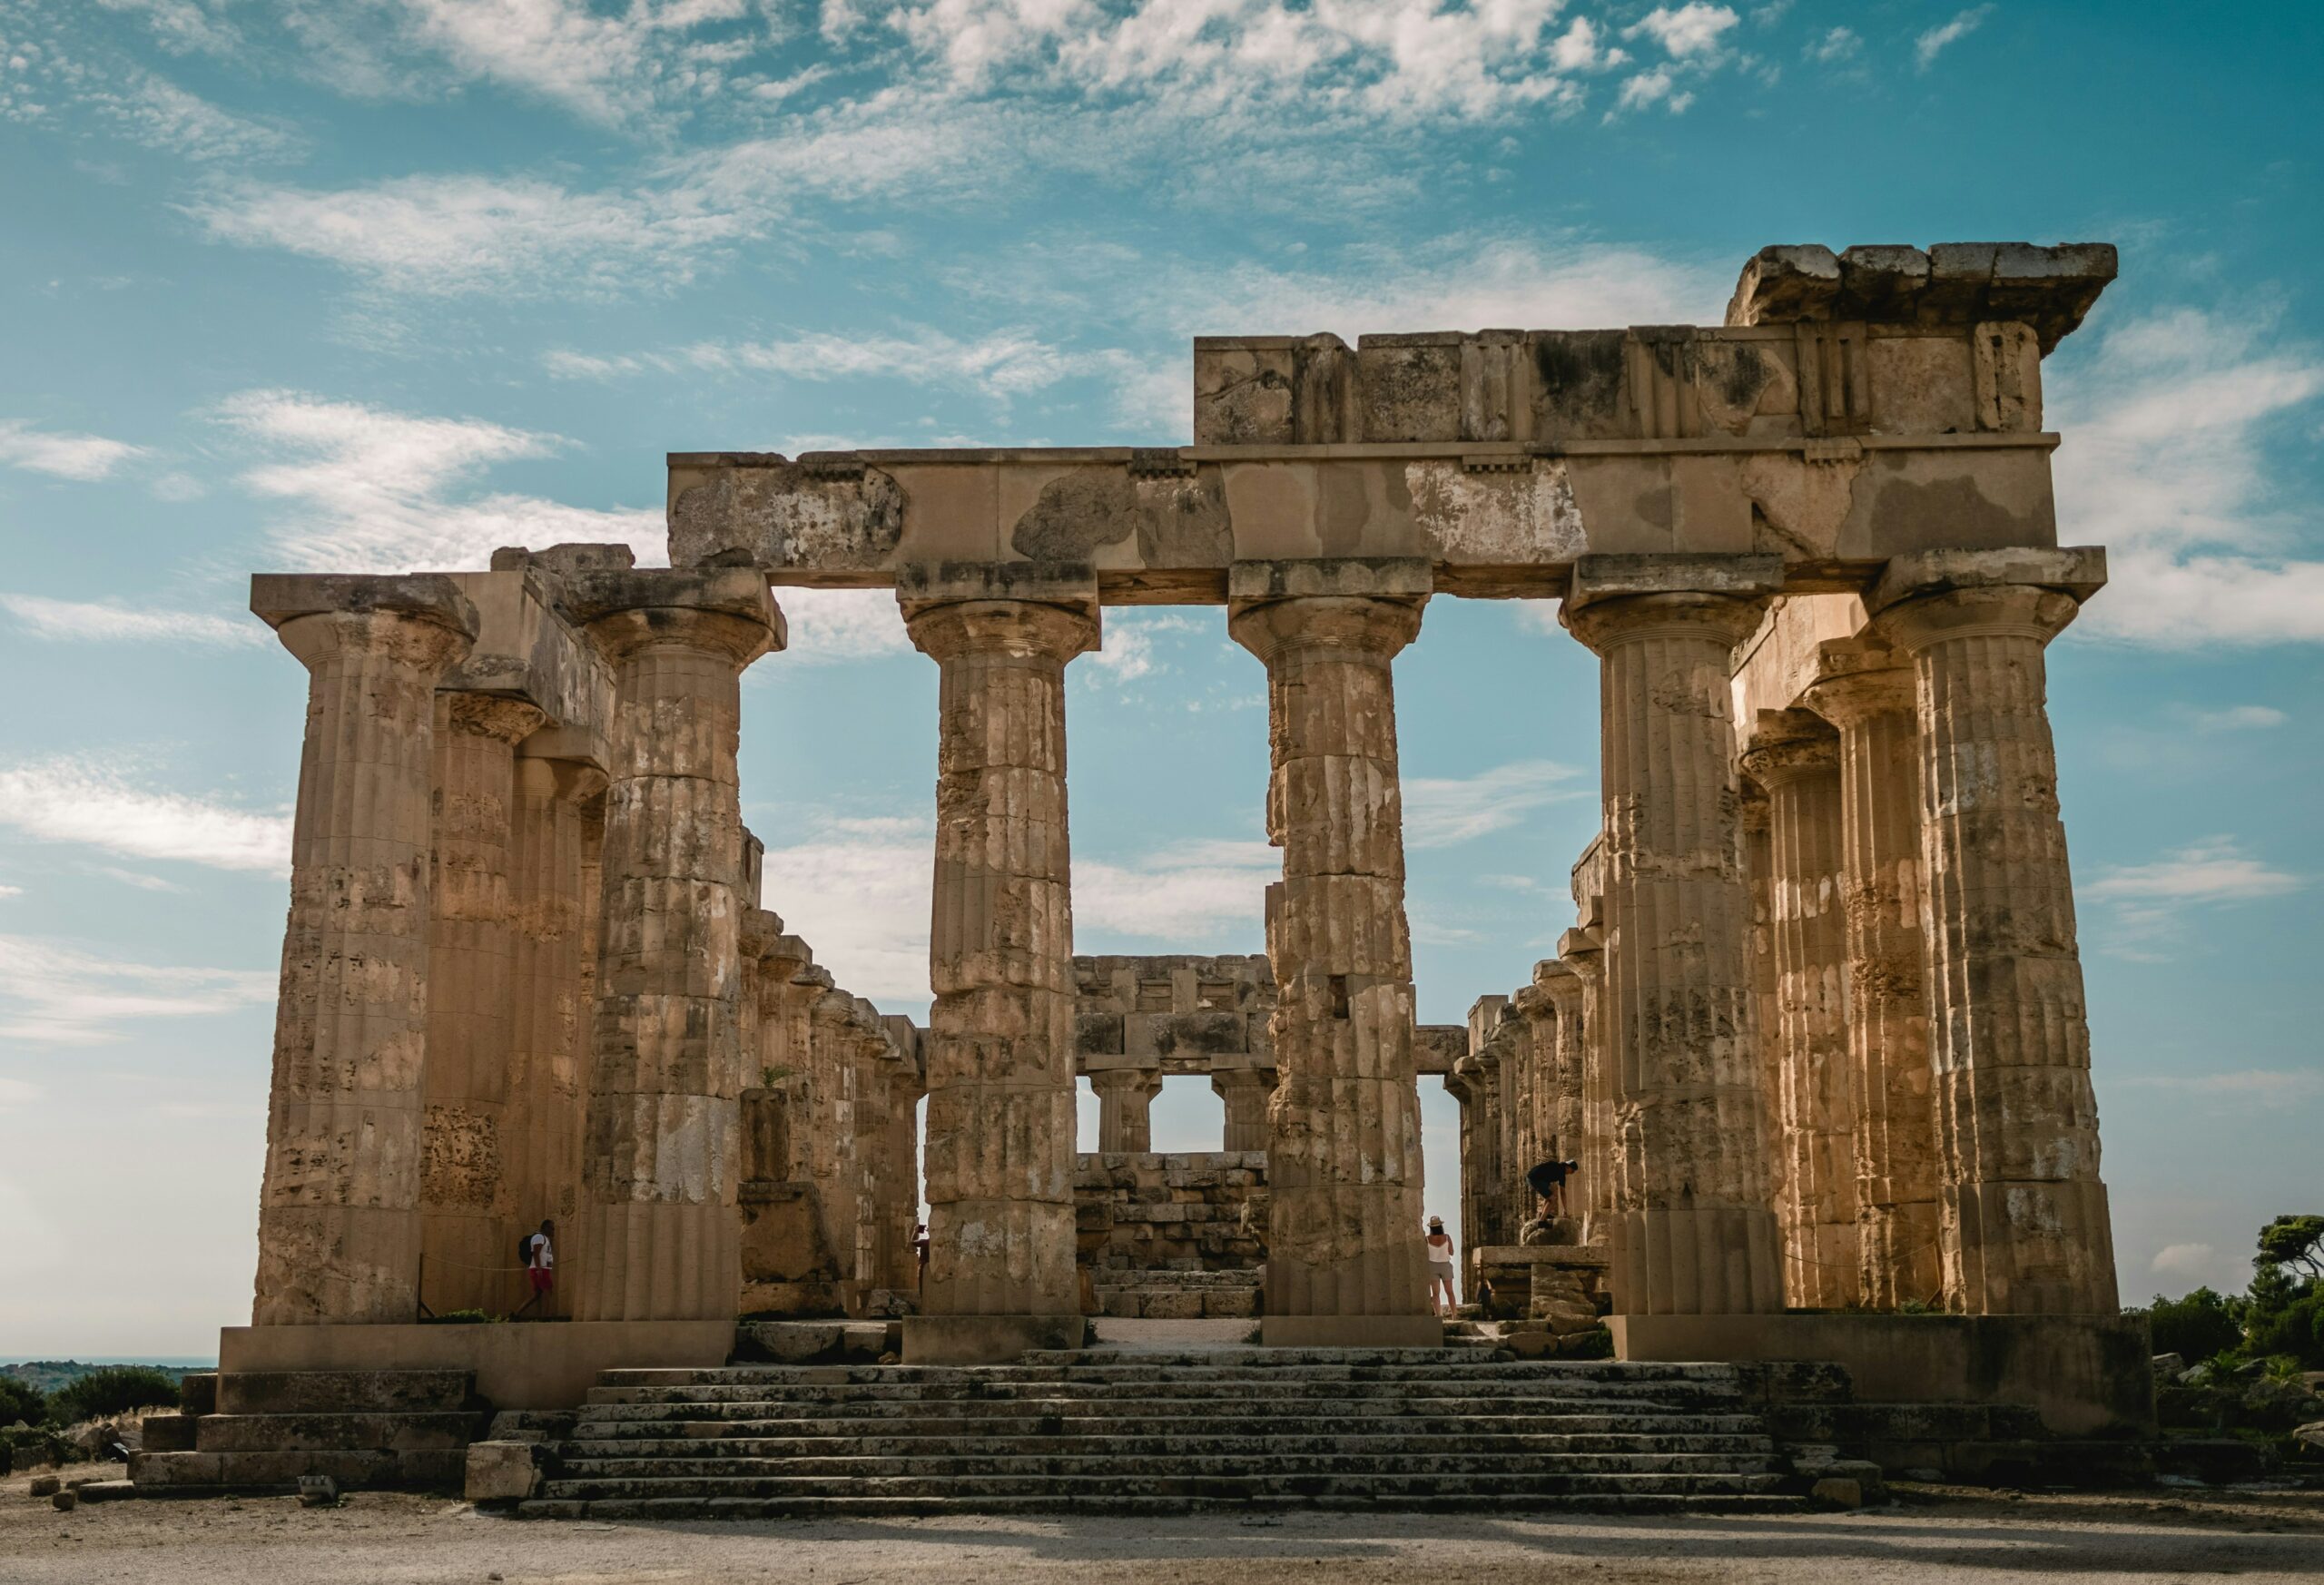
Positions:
(1352, 1332)
(953, 1340)
(516, 1364)
(2085, 1375)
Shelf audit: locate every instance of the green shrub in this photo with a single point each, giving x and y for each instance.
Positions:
(20, 1401)
(112, 1390)
(2196, 1327)
(2296, 1329)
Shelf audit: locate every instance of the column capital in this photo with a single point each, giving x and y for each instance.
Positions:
(726, 610)
(421, 618)
(1933, 596)
(1532, 1001)
(1223, 1079)
(1583, 950)
(1558, 980)
(568, 781)
(1613, 600)
(1132, 1080)
(1859, 678)
(1019, 629)
(1754, 815)
(760, 928)
(494, 716)
(1788, 745)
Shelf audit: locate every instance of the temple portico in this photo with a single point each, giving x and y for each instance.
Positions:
(1815, 1037)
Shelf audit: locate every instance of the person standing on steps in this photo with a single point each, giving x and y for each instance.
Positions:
(540, 1266)
(1440, 1299)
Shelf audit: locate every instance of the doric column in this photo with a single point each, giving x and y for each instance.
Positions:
(1460, 1084)
(1866, 690)
(1124, 1122)
(1553, 1005)
(1755, 823)
(1493, 1134)
(1343, 1165)
(467, 1192)
(1583, 951)
(659, 1236)
(999, 1041)
(339, 1216)
(899, 1187)
(875, 1059)
(834, 1048)
(1699, 1236)
(1244, 1092)
(549, 1010)
(2023, 1215)
(1795, 757)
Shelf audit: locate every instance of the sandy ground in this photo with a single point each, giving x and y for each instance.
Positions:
(387, 1539)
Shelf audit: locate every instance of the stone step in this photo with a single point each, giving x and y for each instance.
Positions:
(1105, 1277)
(977, 1464)
(1155, 1396)
(435, 1468)
(1288, 1484)
(1053, 1428)
(342, 1392)
(1485, 1373)
(1739, 1446)
(676, 1509)
(311, 1432)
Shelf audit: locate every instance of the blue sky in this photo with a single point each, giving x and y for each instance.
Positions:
(389, 283)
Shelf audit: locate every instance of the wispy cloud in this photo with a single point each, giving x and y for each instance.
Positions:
(1443, 811)
(58, 995)
(2260, 1087)
(2167, 420)
(1937, 39)
(77, 620)
(2239, 718)
(2189, 1261)
(1835, 46)
(86, 458)
(856, 888)
(1197, 893)
(82, 800)
(376, 491)
(2215, 870)
(161, 115)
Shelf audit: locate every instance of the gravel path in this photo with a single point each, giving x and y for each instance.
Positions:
(388, 1539)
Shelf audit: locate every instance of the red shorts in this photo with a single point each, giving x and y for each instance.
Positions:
(543, 1278)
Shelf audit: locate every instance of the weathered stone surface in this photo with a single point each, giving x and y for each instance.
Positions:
(1692, 1231)
(659, 1231)
(2024, 1217)
(339, 1217)
(502, 1472)
(1343, 1163)
(1000, 1037)
(1795, 757)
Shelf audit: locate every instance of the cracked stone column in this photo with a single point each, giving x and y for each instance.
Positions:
(1345, 1252)
(557, 801)
(1866, 690)
(1697, 1235)
(1459, 1083)
(660, 1231)
(1795, 757)
(1583, 951)
(1244, 1092)
(1555, 1000)
(1125, 1123)
(2025, 1226)
(899, 1189)
(466, 1191)
(339, 1216)
(1755, 820)
(874, 1060)
(999, 1044)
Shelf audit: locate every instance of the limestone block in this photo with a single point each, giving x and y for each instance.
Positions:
(502, 1472)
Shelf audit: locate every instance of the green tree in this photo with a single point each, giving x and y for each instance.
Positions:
(2297, 1241)
(112, 1390)
(2196, 1327)
(21, 1401)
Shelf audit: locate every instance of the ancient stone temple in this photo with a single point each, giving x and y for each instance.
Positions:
(1815, 1037)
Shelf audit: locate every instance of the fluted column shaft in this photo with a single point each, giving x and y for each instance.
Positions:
(661, 1234)
(832, 1042)
(338, 1215)
(1696, 1235)
(1343, 1165)
(873, 1062)
(1244, 1092)
(899, 1185)
(473, 1143)
(1796, 758)
(1581, 951)
(1888, 1020)
(1125, 1118)
(1755, 820)
(2023, 1218)
(1000, 1051)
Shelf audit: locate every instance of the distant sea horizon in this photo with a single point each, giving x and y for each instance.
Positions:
(182, 1362)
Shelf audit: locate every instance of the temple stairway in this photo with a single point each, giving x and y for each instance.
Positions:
(1140, 1432)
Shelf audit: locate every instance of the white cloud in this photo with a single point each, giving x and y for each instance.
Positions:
(1442, 811)
(73, 620)
(372, 489)
(1650, 88)
(1195, 893)
(2181, 1260)
(1929, 45)
(838, 625)
(2239, 718)
(2166, 422)
(2213, 871)
(80, 800)
(56, 995)
(1686, 31)
(159, 114)
(857, 891)
(17, 1092)
(1127, 650)
(6, 890)
(605, 66)
(1830, 48)
(139, 879)
(86, 458)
